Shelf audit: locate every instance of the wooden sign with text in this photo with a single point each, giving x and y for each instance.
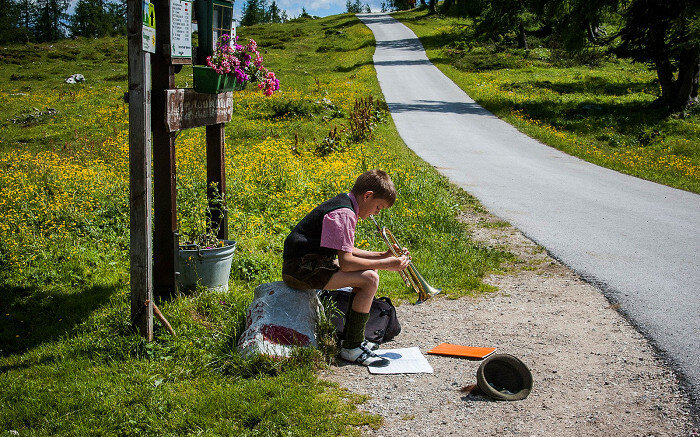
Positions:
(186, 108)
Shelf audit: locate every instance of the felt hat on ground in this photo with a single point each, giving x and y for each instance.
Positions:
(504, 377)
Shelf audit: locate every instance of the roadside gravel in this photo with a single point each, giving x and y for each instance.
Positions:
(594, 374)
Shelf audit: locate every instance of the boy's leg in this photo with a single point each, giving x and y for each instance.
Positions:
(364, 284)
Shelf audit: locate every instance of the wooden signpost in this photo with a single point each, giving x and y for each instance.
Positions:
(156, 107)
(141, 251)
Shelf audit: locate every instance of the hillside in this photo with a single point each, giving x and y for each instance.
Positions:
(70, 362)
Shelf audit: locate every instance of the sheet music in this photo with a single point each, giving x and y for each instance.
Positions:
(408, 360)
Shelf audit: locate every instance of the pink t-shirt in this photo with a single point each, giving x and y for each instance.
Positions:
(338, 229)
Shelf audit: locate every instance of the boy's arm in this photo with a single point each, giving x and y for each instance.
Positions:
(360, 259)
(370, 254)
(378, 255)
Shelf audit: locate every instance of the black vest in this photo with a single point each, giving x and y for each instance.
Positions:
(305, 238)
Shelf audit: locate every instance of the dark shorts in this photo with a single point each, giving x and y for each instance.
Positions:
(310, 272)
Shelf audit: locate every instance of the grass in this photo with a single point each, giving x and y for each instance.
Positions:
(591, 105)
(70, 363)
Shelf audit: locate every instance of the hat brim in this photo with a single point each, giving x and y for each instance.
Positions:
(504, 377)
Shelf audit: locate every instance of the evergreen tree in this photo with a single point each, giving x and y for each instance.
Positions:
(89, 19)
(9, 17)
(253, 13)
(500, 17)
(402, 5)
(27, 11)
(353, 7)
(666, 34)
(50, 22)
(116, 17)
(17, 20)
(274, 13)
(432, 4)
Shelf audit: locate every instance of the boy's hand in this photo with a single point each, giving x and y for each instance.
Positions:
(398, 249)
(396, 264)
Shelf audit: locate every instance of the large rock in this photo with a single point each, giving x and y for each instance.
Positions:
(279, 319)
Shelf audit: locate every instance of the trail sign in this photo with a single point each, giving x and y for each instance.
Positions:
(180, 29)
(186, 109)
(149, 27)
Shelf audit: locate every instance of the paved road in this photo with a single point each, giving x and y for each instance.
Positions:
(637, 240)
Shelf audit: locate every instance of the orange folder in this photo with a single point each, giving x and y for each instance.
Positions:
(454, 350)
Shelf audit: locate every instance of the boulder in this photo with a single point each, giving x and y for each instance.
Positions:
(75, 78)
(279, 319)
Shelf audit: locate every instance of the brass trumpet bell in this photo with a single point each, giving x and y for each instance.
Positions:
(410, 275)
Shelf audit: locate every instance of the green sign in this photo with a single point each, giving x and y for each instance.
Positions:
(149, 27)
(149, 14)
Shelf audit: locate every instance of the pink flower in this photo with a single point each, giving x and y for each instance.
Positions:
(244, 62)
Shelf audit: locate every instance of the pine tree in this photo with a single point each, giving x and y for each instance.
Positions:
(274, 13)
(116, 17)
(89, 19)
(27, 15)
(251, 13)
(50, 22)
(9, 15)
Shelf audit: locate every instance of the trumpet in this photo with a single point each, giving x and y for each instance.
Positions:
(410, 274)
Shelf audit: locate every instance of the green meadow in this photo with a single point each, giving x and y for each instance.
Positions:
(70, 363)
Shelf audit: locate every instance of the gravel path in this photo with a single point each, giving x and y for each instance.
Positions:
(594, 374)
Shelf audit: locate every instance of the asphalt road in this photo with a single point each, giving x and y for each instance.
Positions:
(638, 241)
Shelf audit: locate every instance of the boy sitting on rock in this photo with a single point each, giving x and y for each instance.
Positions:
(328, 232)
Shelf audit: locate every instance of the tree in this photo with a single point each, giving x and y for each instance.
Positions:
(578, 23)
(253, 13)
(432, 6)
(89, 19)
(402, 5)
(357, 8)
(666, 34)
(9, 16)
(274, 15)
(464, 8)
(662, 33)
(51, 19)
(353, 7)
(499, 17)
(27, 15)
(116, 17)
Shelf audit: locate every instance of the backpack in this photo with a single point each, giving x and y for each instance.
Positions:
(382, 324)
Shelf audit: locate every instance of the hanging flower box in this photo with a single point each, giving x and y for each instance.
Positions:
(207, 80)
(231, 67)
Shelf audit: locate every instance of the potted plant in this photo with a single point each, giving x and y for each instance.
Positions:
(231, 67)
(203, 258)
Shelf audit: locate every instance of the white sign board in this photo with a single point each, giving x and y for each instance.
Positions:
(180, 29)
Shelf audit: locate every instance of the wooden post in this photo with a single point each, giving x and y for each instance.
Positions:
(140, 175)
(216, 173)
(165, 237)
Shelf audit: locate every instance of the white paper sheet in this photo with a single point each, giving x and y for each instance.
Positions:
(408, 360)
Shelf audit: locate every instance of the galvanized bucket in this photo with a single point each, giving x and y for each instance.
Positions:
(209, 268)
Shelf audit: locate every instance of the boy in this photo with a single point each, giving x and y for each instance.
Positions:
(329, 231)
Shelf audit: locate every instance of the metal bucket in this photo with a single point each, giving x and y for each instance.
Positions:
(209, 268)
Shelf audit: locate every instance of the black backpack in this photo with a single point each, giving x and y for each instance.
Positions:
(382, 324)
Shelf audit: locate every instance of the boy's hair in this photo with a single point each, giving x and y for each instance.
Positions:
(377, 181)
